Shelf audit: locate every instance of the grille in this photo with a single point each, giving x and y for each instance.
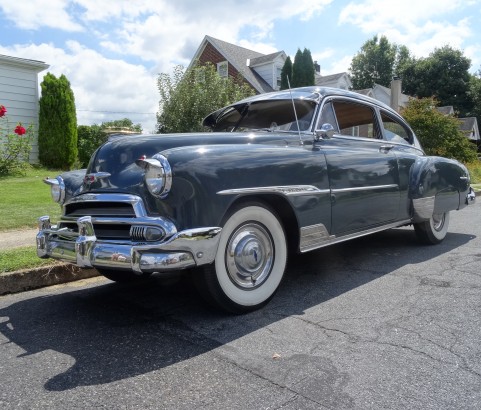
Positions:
(114, 209)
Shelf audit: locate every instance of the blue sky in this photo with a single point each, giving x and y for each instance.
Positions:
(113, 50)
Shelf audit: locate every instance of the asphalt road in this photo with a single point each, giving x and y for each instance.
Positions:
(376, 323)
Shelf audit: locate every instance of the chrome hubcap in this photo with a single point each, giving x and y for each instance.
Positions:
(438, 221)
(249, 256)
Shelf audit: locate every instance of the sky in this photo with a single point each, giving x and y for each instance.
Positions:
(112, 51)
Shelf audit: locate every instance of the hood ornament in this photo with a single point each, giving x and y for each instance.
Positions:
(94, 177)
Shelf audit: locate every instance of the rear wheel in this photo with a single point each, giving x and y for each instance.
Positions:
(434, 230)
(249, 263)
(123, 276)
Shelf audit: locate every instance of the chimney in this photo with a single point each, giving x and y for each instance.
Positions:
(396, 93)
(317, 68)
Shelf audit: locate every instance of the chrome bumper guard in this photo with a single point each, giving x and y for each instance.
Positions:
(470, 197)
(185, 249)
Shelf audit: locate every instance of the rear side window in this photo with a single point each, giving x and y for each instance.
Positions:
(356, 120)
(395, 131)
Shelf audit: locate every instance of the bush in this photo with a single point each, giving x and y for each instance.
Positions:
(15, 145)
(90, 137)
(439, 134)
(57, 128)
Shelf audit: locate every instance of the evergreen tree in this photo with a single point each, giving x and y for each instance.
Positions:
(309, 71)
(297, 70)
(57, 128)
(286, 73)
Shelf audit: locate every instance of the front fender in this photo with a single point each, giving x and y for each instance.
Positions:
(200, 174)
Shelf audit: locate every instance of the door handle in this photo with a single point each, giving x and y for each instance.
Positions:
(385, 148)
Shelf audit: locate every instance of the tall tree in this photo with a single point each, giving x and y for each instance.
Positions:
(286, 73)
(444, 74)
(302, 69)
(186, 97)
(374, 63)
(57, 128)
(309, 71)
(298, 69)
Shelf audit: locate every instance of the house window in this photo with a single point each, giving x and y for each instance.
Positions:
(223, 69)
(278, 77)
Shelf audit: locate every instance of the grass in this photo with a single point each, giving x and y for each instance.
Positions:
(475, 172)
(26, 257)
(25, 198)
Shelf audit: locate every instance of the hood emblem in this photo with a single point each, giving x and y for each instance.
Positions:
(94, 177)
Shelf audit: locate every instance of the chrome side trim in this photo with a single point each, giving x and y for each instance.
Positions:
(288, 190)
(312, 237)
(134, 200)
(364, 188)
(330, 240)
(423, 208)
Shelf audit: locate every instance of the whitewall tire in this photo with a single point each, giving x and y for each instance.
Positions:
(250, 260)
(434, 230)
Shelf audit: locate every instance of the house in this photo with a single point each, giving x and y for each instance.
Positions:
(468, 126)
(19, 88)
(339, 80)
(261, 71)
(389, 96)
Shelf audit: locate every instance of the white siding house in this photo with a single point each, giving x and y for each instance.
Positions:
(19, 93)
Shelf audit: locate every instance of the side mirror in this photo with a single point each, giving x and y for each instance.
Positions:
(327, 131)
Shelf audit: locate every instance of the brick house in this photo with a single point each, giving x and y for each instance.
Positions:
(261, 71)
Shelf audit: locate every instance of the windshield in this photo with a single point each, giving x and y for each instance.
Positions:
(272, 115)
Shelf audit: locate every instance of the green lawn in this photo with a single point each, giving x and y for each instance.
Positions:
(15, 259)
(25, 198)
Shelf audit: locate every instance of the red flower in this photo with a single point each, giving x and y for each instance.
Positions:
(3, 110)
(19, 130)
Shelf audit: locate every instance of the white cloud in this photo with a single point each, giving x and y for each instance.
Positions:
(104, 89)
(420, 25)
(34, 14)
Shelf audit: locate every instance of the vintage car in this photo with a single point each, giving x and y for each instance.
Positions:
(288, 171)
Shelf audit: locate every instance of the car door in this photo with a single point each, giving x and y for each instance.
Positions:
(362, 170)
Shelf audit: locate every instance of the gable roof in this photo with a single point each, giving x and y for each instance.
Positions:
(265, 59)
(469, 126)
(446, 110)
(238, 56)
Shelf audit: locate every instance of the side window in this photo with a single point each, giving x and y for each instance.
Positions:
(394, 130)
(328, 116)
(356, 120)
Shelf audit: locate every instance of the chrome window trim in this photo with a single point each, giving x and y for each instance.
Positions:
(286, 190)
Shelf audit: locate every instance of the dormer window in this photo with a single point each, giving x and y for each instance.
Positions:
(223, 69)
(278, 77)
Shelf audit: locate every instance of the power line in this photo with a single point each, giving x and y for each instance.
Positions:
(119, 112)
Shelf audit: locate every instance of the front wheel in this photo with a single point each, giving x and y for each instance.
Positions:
(434, 230)
(250, 261)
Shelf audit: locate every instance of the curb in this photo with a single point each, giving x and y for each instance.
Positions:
(28, 279)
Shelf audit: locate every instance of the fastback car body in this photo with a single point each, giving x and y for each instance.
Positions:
(292, 170)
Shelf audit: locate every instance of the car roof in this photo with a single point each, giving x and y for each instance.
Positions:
(312, 93)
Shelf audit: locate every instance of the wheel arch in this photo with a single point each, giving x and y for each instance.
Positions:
(280, 206)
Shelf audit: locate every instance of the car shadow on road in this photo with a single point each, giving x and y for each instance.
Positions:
(116, 331)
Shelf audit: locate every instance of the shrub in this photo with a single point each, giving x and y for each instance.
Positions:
(439, 134)
(15, 145)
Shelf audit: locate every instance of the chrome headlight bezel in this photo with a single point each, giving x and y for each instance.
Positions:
(57, 189)
(158, 175)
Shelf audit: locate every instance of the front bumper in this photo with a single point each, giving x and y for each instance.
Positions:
(185, 249)
(470, 197)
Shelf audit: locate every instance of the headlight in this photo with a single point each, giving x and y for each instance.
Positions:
(158, 175)
(57, 188)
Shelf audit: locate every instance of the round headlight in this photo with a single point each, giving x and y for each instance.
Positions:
(158, 174)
